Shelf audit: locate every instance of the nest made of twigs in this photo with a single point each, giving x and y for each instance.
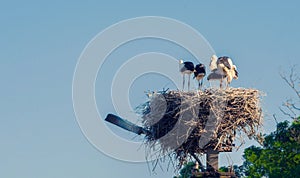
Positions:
(187, 123)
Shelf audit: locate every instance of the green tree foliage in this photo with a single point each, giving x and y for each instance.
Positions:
(236, 169)
(279, 156)
(186, 171)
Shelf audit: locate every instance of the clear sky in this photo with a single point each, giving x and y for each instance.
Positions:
(40, 45)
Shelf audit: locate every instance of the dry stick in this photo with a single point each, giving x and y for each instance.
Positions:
(291, 81)
(242, 113)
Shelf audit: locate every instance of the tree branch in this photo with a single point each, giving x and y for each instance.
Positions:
(275, 118)
(286, 113)
(292, 80)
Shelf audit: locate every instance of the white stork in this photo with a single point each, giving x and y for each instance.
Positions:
(225, 65)
(186, 68)
(199, 73)
(221, 68)
(215, 74)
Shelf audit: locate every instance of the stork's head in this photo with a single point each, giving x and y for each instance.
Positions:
(214, 58)
(180, 61)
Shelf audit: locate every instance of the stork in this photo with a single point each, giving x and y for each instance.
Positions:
(221, 68)
(199, 73)
(224, 63)
(226, 67)
(186, 68)
(216, 73)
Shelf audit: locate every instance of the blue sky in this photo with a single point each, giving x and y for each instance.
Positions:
(42, 41)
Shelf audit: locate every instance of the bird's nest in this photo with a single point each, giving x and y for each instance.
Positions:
(189, 123)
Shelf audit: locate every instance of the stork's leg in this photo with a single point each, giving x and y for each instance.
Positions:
(221, 83)
(229, 79)
(198, 88)
(183, 81)
(201, 83)
(189, 82)
(227, 84)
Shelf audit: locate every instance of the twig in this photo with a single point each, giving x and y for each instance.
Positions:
(241, 112)
(291, 81)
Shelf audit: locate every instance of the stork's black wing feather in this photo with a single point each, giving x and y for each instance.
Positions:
(189, 65)
(116, 120)
(224, 60)
(199, 69)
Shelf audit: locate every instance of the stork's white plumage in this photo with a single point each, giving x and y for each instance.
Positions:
(232, 74)
(213, 62)
(224, 63)
(186, 68)
(216, 73)
(221, 68)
